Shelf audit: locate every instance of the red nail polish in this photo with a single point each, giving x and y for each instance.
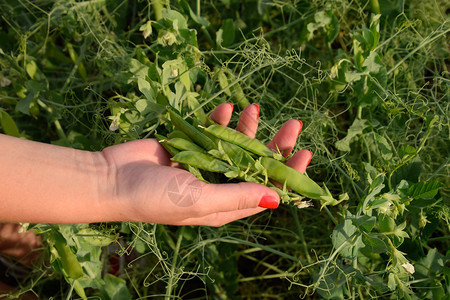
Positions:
(257, 108)
(231, 104)
(301, 126)
(268, 202)
(310, 157)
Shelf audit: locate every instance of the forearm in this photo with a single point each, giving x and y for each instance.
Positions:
(44, 183)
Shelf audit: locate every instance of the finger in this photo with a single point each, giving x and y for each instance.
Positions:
(248, 122)
(222, 114)
(300, 160)
(233, 197)
(222, 218)
(285, 139)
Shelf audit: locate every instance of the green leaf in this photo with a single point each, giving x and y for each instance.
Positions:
(355, 129)
(197, 19)
(137, 68)
(116, 288)
(424, 189)
(431, 265)
(24, 104)
(345, 239)
(178, 19)
(392, 283)
(374, 244)
(141, 105)
(375, 188)
(409, 172)
(146, 89)
(31, 68)
(406, 151)
(365, 222)
(95, 237)
(332, 29)
(8, 125)
(386, 224)
(379, 145)
(226, 34)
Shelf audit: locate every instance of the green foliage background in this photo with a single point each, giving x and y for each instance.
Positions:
(369, 80)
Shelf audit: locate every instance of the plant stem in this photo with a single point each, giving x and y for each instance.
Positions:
(330, 215)
(300, 233)
(174, 263)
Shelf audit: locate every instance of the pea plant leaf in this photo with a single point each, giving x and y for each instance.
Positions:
(379, 145)
(8, 125)
(355, 129)
(226, 34)
(346, 238)
(424, 189)
(406, 151)
(364, 222)
(374, 244)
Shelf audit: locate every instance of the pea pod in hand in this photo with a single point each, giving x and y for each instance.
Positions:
(193, 133)
(298, 182)
(202, 161)
(240, 139)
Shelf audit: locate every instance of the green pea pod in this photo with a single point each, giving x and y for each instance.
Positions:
(173, 151)
(163, 142)
(202, 161)
(240, 139)
(182, 144)
(295, 180)
(178, 134)
(193, 133)
(238, 156)
(67, 258)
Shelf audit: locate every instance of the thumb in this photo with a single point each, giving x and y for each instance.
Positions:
(236, 197)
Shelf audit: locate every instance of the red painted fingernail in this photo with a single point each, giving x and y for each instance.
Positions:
(268, 202)
(231, 104)
(257, 108)
(310, 157)
(301, 126)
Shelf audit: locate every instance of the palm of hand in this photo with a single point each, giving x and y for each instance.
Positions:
(146, 180)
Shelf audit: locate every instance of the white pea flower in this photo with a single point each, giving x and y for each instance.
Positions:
(4, 81)
(409, 268)
(174, 72)
(303, 204)
(115, 122)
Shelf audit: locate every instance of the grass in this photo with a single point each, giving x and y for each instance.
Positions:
(275, 255)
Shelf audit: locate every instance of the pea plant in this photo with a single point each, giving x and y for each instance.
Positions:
(369, 80)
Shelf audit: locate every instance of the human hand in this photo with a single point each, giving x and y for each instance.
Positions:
(149, 188)
(22, 246)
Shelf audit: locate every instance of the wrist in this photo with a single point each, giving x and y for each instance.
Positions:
(114, 207)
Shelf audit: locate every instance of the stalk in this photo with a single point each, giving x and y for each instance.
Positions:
(300, 234)
(174, 263)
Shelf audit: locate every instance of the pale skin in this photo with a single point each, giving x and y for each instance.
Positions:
(44, 183)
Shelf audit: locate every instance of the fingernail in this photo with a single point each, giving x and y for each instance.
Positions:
(310, 157)
(268, 202)
(301, 126)
(257, 108)
(231, 104)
